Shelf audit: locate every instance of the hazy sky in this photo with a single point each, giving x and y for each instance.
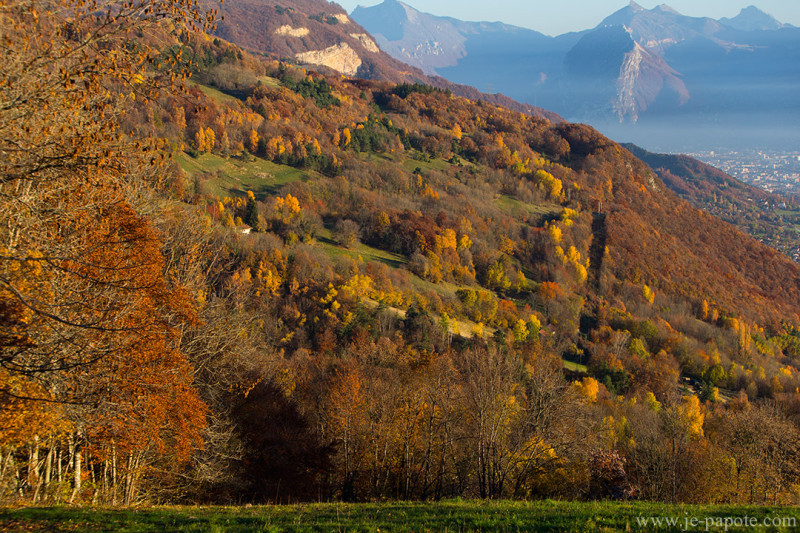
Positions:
(560, 16)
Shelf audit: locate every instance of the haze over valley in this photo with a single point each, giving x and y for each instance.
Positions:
(651, 76)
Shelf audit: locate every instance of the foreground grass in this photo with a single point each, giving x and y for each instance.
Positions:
(453, 516)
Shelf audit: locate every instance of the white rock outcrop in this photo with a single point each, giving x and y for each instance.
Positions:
(627, 104)
(340, 57)
(342, 18)
(368, 44)
(292, 32)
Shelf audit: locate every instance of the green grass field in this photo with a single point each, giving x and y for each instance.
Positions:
(365, 252)
(213, 93)
(232, 176)
(411, 164)
(575, 367)
(448, 516)
(517, 207)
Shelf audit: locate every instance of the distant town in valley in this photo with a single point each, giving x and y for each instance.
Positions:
(774, 171)
(777, 172)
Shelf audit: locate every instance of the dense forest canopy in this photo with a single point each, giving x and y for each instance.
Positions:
(276, 284)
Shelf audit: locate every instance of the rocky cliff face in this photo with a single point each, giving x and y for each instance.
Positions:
(339, 57)
(288, 31)
(365, 40)
(643, 78)
(627, 103)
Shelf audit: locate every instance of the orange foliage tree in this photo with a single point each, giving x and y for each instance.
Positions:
(89, 369)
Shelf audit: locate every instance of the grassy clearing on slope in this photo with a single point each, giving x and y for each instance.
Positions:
(790, 218)
(411, 164)
(214, 94)
(269, 81)
(234, 176)
(516, 207)
(366, 253)
(462, 326)
(575, 367)
(447, 516)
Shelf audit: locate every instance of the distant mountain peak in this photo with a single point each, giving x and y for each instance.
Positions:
(752, 18)
(395, 5)
(386, 3)
(412, 15)
(636, 7)
(633, 11)
(666, 9)
(753, 11)
(386, 19)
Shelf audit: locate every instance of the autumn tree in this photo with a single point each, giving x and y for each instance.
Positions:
(760, 444)
(88, 315)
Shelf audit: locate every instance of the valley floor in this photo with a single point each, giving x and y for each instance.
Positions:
(452, 515)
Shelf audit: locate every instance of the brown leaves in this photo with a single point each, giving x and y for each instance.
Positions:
(89, 319)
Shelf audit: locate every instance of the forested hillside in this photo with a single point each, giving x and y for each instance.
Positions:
(770, 218)
(279, 285)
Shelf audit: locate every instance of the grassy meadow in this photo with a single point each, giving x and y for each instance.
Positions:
(447, 516)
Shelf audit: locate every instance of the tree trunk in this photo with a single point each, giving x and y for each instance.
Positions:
(48, 465)
(113, 474)
(58, 463)
(76, 461)
(4, 468)
(128, 482)
(33, 460)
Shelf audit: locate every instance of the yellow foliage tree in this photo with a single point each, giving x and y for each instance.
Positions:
(689, 416)
(200, 140)
(648, 294)
(210, 140)
(252, 142)
(588, 388)
(551, 185)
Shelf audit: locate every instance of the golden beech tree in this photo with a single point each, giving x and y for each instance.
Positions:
(200, 140)
(88, 368)
(252, 141)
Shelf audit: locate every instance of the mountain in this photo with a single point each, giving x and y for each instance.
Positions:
(640, 73)
(487, 55)
(434, 43)
(699, 182)
(608, 73)
(309, 31)
(422, 40)
(321, 34)
(660, 27)
(753, 19)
